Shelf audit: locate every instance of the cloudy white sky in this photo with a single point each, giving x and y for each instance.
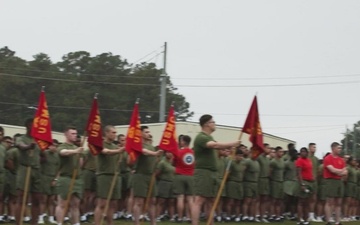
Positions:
(300, 57)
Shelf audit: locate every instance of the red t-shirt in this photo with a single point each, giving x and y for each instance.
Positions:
(337, 162)
(185, 162)
(306, 168)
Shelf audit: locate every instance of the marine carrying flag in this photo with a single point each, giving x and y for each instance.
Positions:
(93, 129)
(168, 141)
(253, 128)
(41, 127)
(133, 138)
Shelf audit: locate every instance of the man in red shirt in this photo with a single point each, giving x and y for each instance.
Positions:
(334, 170)
(306, 179)
(184, 170)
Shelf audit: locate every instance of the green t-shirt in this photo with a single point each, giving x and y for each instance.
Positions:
(358, 177)
(315, 164)
(205, 157)
(29, 157)
(286, 156)
(252, 170)
(277, 167)
(352, 175)
(221, 166)
(51, 165)
(2, 158)
(146, 163)
(264, 163)
(108, 164)
(68, 163)
(13, 155)
(167, 171)
(90, 161)
(124, 168)
(236, 171)
(290, 172)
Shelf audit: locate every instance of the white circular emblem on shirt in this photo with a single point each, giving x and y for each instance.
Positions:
(188, 158)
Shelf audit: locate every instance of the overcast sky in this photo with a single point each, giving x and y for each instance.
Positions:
(300, 57)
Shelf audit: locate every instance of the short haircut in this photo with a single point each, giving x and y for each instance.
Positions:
(186, 139)
(328, 153)
(16, 135)
(144, 127)
(204, 119)
(350, 159)
(334, 145)
(55, 141)
(7, 138)
(304, 149)
(278, 148)
(108, 127)
(1, 129)
(311, 144)
(290, 146)
(120, 135)
(266, 145)
(69, 127)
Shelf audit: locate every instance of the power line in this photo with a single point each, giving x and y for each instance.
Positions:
(282, 115)
(186, 85)
(79, 81)
(82, 74)
(265, 78)
(267, 85)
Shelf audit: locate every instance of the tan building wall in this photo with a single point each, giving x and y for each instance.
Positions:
(222, 133)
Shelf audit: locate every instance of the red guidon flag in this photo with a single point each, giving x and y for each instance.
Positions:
(94, 131)
(41, 127)
(253, 128)
(133, 138)
(168, 141)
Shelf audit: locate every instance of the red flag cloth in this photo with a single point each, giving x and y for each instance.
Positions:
(41, 127)
(94, 131)
(133, 138)
(253, 128)
(168, 141)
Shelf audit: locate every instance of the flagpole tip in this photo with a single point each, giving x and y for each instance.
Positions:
(96, 95)
(172, 103)
(137, 101)
(43, 88)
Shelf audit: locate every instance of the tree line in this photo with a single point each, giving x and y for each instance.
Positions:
(71, 84)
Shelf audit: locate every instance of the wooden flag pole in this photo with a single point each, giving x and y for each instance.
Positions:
(111, 190)
(26, 190)
(151, 187)
(222, 184)
(72, 182)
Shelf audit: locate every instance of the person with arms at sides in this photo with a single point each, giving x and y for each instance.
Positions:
(165, 173)
(5, 145)
(70, 160)
(29, 156)
(277, 166)
(291, 184)
(49, 168)
(144, 168)
(205, 174)
(306, 183)
(334, 171)
(350, 190)
(234, 186)
(183, 181)
(264, 183)
(313, 199)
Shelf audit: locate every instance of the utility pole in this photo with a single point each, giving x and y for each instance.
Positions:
(346, 141)
(163, 81)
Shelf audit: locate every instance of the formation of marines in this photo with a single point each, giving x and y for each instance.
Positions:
(279, 184)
